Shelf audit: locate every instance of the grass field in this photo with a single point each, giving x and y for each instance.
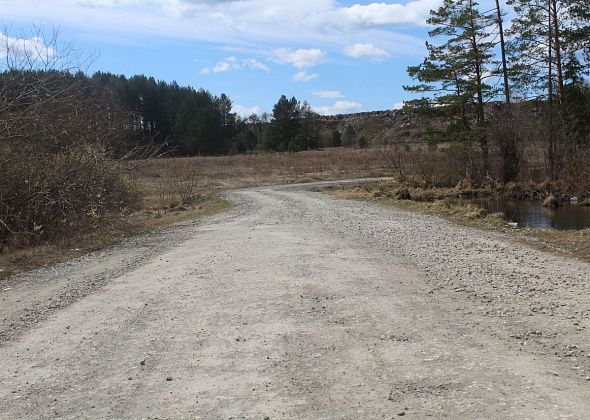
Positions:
(180, 189)
(229, 172)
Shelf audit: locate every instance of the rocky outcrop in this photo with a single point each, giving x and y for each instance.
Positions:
(382, 127)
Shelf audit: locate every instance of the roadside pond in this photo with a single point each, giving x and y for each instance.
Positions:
(531, 214)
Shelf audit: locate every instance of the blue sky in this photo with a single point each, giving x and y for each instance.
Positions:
(340, 56)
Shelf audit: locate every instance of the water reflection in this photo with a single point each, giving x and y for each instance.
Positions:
(532, 214)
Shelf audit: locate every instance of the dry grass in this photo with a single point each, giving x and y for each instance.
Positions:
(230, 172)
(29, 258)
(439, 202)
(570, 243)
(177, 185)
(179, 189)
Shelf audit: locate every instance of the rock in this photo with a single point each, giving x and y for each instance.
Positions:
(169, 378)
(403, 194)
(142, 363)
(551, 202)
(585, 203)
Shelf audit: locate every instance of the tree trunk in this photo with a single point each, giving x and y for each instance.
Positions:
(551, 134)
(557, 46)
(504, 61)
(483, 141)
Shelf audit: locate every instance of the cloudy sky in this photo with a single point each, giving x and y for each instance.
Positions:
(339, 55)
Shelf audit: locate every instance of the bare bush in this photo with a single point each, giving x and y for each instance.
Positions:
(398, 159)
(509, 132)
(577, 171)
(180, 184)
(433, 167)
(56, 141)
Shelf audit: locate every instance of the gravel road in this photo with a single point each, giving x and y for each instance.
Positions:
(297, 305)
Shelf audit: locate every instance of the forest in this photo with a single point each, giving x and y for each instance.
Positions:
(181, 120)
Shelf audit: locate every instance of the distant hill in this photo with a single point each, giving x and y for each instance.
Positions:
(381, 127)
(402, 126)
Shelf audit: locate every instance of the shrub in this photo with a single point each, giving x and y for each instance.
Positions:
(431, 167)
(57, 171)
(45, 195)
(363, 142)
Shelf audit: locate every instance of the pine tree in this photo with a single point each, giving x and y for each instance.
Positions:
(453, 76)
(577, 35)
(547, 35)
(309, 128)
(505, 76)
(286, 124)
(537, 48)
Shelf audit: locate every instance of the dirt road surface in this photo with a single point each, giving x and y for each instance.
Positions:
(297, 305)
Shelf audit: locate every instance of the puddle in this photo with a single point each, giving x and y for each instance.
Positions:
(533, 215)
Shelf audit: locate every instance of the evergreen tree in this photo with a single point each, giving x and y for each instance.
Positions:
(577, 36)
(453, 75)
(348, 137)
(309, 128)
(286, 124)
(549, 46)
(336, 138)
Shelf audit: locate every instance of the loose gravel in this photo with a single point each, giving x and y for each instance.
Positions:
(297, 305)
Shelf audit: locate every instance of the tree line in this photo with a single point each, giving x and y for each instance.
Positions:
(187, 121)
(539, 63)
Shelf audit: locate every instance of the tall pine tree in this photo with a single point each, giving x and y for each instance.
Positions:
(454, 75)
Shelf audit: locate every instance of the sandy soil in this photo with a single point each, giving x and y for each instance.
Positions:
(297, 305)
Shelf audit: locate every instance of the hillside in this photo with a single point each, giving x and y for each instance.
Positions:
(380, 127)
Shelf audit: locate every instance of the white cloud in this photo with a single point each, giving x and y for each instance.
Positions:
(252, 63)
(376, 15)
(33, 48)
(265, 23)
(340, 107)
(245, 111)
(304, 76)
(366, 50)
(328, 94)
(232, 63)
(398, 105)
(301, 58)
(311, 12)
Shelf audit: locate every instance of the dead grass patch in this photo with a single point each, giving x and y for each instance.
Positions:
(23, 259)
(174, 190)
